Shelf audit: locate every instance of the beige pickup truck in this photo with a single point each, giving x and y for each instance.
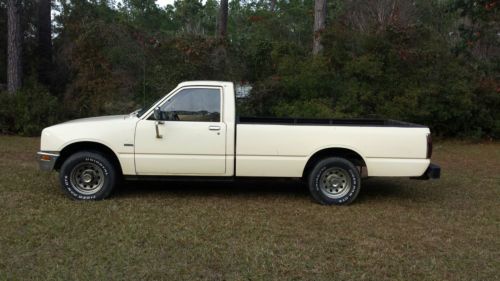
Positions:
(194, 132)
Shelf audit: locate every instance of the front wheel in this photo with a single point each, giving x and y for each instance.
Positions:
(334, 181)
(87, 176)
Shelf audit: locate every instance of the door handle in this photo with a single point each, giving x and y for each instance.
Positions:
(214, 128)
(158, 136)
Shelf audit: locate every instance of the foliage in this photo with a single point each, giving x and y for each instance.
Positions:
(431, 62)
(29, 111)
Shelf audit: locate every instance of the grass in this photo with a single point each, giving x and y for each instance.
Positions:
(398, 229)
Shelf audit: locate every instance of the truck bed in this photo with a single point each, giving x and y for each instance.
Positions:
(331, 122)
(282, 146)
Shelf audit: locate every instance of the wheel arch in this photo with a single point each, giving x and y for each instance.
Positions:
(72, 148)
(334, 151)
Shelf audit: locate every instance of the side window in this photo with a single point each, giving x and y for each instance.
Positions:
(197, 104)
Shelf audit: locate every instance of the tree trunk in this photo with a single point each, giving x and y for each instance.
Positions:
(44, 41)
(319, 25)
(273, 5)
(222, 20)
(14, 46)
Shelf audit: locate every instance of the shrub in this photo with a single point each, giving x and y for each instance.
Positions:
(407, 74)
(28, 111)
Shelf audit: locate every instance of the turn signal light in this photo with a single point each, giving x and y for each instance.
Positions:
(45, 158)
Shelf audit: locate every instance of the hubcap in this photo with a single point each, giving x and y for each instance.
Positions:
(87, 178)
(335, 182)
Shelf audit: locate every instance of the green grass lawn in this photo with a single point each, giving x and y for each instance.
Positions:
(398, 229)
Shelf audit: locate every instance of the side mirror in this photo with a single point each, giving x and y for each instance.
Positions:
(157, 114)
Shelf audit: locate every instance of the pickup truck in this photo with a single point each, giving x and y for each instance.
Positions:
(194, 132)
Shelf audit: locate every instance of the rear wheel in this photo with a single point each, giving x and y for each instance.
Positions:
(88, 176)
(334, 181)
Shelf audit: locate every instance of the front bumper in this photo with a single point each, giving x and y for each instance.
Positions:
(432, 172)
(46, 160)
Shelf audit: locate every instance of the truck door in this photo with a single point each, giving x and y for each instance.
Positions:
(188, 137)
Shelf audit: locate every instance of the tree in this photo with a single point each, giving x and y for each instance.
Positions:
(479, 28)
(319, 24)
(14, 48)
(273, 5)
(378, 15)
(44, 41)
(222, 21)
(188, 16)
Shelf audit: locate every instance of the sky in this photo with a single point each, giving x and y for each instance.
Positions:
(163, 3)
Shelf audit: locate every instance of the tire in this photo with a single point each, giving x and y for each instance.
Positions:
(334, 181)
(88, 176)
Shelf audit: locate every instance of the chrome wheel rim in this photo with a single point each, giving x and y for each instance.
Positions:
(87, 178)
(335, 182)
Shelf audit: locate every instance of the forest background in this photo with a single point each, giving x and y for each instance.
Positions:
(434, 62)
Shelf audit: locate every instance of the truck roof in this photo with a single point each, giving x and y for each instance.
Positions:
(205, 83)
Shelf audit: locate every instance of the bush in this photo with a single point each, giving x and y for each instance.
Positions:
(317, 108)
(408, 74)
(28, 111)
